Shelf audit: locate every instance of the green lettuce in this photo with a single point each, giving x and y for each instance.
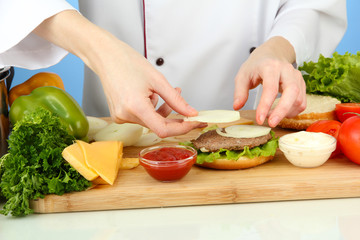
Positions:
(267, 149)
(338, 76)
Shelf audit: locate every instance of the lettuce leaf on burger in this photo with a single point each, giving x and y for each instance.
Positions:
(235, 147)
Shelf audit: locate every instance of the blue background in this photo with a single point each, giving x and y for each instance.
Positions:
(71, 67)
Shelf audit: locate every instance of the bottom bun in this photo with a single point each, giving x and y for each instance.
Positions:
(241, 163)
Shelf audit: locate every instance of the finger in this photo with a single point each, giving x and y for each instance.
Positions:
(300, 102)
(287, 100)
(154, 99)
(241, 91)
(165, 110)
(270, 91)
(174, 99)
(163, 127)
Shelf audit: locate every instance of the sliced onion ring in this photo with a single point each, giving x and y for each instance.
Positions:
(128, 133)
(147, 139)
(244, 131)
(215, 116)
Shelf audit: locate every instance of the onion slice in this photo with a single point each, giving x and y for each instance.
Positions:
(215, 116)
(128, 133)
(148, 139)
(95, 125)
(244, 131)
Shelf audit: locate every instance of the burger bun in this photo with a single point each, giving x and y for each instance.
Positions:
(317, 108)
(241, 163)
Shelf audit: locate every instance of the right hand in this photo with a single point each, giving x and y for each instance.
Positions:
(131, 84)
(132, 87)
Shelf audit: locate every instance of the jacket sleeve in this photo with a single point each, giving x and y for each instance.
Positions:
(20, 47)
(313, 27)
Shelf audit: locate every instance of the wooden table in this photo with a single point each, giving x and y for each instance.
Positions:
(276, 180)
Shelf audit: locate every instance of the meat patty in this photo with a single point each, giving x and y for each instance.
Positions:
(212, 142)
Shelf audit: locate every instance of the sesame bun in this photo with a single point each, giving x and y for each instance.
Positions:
(317, 108)
(241, 163)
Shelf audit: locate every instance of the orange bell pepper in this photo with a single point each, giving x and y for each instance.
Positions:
(38, 80)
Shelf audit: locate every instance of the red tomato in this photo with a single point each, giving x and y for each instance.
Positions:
(345, 110)
(349, 138)
(330, 127)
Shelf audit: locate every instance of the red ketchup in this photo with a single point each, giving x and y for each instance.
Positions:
(168, 163)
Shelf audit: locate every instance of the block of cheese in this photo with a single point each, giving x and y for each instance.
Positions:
(103, 158)
(73, 154)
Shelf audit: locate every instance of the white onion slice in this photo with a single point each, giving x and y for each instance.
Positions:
(215, 116)
(171, 139)
(244, 131)
(128, 133)
(148, 139)
(95, 125)
(145, 130)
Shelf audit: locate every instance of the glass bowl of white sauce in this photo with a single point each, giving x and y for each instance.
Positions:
(307, 149)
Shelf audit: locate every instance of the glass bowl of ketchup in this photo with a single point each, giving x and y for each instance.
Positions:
(168, 163)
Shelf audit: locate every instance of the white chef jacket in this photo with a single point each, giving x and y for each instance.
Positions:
(202, 42)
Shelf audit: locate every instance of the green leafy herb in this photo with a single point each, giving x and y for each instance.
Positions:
(267, 149)
(34, 165)
(338, 76)
(2, 160)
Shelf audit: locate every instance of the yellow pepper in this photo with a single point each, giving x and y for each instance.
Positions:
(38, 80)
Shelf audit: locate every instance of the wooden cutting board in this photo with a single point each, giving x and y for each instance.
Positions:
(273, 181)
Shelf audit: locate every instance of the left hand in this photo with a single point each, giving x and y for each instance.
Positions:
(271, 65)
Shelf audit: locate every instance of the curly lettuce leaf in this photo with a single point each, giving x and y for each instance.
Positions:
(267, 149)
(338, 76)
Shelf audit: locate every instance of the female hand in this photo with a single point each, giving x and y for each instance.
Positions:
(132, 86)
(270, 65)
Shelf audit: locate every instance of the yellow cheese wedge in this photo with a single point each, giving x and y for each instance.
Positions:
(99, 181)
(120, 154)
(75, 157)
(102, 156)
(126, 164)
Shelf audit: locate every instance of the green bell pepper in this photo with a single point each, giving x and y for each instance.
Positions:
(56, 101)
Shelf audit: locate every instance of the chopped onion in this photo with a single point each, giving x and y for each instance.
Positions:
(128, 133)
(215, 116)
(244, 131)
(170, 139)
(145, 130)
(95, 125)
(148, 139)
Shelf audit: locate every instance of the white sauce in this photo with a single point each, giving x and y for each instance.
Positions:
(310, 140)
(307, 149)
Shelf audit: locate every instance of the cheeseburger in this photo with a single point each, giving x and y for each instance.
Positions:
(235, 147)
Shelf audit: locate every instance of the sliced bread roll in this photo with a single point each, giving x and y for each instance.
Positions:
(317, 108)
